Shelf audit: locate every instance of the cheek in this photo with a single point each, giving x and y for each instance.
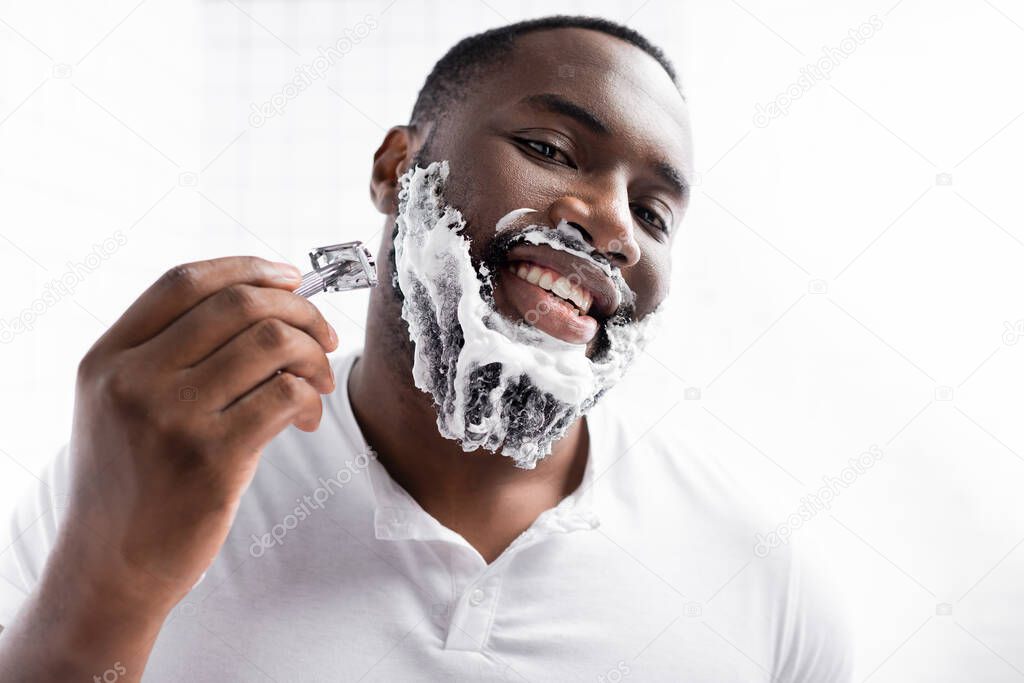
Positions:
(487, 180)
(482, 186)
(650, 279)
(490, 176)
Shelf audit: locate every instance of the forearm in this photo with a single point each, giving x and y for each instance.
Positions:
(70, 630)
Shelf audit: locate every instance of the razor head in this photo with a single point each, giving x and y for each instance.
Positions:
(339, 268)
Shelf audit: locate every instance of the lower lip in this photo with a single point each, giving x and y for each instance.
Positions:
(547, 312)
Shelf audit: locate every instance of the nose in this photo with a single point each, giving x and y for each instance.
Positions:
(608, 227)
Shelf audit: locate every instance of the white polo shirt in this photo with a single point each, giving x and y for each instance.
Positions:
(332, 572)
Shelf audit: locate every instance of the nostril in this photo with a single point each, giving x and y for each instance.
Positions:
(611, 253)
(586, 235)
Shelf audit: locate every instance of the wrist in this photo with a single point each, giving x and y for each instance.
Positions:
(105, 600)
(76, 627)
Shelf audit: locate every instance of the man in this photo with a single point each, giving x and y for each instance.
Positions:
(461, 505)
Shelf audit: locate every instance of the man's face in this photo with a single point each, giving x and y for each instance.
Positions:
(580, 127)
(533, 235)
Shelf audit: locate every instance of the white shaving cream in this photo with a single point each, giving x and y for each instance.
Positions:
(498, 384)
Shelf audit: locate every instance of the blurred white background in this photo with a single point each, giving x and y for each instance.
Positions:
(848, 276)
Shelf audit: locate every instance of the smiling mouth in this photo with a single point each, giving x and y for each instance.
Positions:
(563, 295)
(541, 308)
(577, 296)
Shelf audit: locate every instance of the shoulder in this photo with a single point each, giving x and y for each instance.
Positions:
(695, 517)
(639, 449)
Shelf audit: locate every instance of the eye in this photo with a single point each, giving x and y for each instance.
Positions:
(650, 217)
(547, 150)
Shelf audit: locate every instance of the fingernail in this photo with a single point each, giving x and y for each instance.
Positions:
(333, 335)
(285, 272)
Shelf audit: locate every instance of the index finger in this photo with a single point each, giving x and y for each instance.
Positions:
(185, 285)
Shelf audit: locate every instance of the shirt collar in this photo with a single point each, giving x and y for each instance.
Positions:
(397, 515)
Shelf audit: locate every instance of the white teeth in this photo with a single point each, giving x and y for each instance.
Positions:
(556, 284)
(562, 288)
(579, 298)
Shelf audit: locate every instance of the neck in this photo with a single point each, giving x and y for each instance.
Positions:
(482, 495)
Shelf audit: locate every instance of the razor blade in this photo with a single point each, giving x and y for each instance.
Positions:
(339, 268)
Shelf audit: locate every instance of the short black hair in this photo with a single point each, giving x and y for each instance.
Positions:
(471, 57)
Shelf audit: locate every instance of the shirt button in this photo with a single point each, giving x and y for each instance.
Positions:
(476, 597)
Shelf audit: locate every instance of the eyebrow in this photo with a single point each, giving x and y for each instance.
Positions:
(672, 175)
(559, 105)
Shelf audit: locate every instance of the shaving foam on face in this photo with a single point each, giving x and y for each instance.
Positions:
(510, 218)
(497, 383)
(565, 238)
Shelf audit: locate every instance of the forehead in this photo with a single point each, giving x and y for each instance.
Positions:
(622, 85)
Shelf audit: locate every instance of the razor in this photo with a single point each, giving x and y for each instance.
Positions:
(339, 268)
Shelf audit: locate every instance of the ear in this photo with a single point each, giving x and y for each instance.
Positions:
(390, 161)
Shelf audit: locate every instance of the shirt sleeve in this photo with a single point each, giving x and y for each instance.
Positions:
(816, 644)
(29, 533)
